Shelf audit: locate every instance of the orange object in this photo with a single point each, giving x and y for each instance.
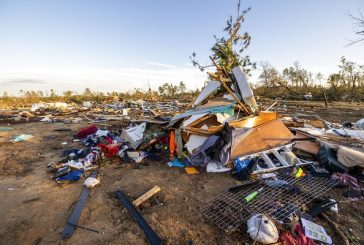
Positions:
(172, 145)
(191, 170)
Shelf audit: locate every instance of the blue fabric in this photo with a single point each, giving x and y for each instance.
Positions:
(74, 175)
(177, 163)
(241, 165)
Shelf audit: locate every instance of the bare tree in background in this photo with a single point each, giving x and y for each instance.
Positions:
(359, 27)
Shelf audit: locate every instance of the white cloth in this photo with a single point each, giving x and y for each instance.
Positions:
(91, 182)
(212, 167)
(350, 157)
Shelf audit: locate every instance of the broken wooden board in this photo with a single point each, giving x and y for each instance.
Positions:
(263, 137)
(143, 198)
(306, 145)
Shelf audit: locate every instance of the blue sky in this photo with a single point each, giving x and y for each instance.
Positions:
(119, 45)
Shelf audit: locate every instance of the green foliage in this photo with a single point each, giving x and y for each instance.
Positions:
(228, 50)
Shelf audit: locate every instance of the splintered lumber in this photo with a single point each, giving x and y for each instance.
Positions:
(140, 200)
(243, 107)
(152, 237)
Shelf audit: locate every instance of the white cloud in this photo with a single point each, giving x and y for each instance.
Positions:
(161, 65)
(98, 79)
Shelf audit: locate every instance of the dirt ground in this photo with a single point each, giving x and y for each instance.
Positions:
(337, 112)
(34, 209)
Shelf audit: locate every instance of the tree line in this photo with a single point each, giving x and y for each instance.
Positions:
(295, 81)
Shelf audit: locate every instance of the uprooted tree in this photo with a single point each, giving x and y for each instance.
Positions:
(228, 51)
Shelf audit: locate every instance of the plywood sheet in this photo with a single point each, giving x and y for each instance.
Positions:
(260, 138)
(264, 117)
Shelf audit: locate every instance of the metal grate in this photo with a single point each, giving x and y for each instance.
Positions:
(229, 210)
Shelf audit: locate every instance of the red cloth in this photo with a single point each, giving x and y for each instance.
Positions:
(110, 150)
(286, 237)
(172, 145)
(108, 139)
(84, 132)
(302, 239)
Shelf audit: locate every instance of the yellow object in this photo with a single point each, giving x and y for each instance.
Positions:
(299, 173)
(191, 170)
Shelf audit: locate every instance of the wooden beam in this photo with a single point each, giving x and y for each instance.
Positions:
(140, 200)
(242, 106)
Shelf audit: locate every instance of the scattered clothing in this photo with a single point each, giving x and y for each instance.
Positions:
(350, 157)
(346, 179)
(200, 156)
(84, 132)
(215, 167)
(74, 175)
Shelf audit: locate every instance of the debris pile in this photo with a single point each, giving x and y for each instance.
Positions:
(285, 164)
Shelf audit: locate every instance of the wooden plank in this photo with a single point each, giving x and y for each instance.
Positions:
(198, 131)
(151, 235)
(140, 200)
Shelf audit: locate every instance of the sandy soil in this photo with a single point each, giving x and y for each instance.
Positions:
(34, 209)
(338, 112)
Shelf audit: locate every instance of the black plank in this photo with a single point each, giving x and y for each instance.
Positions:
(153, 238)
(71, 224)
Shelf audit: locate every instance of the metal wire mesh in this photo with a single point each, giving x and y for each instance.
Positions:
(229, 210)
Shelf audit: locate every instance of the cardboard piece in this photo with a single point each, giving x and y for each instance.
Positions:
(305, 145)
(315, 231)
